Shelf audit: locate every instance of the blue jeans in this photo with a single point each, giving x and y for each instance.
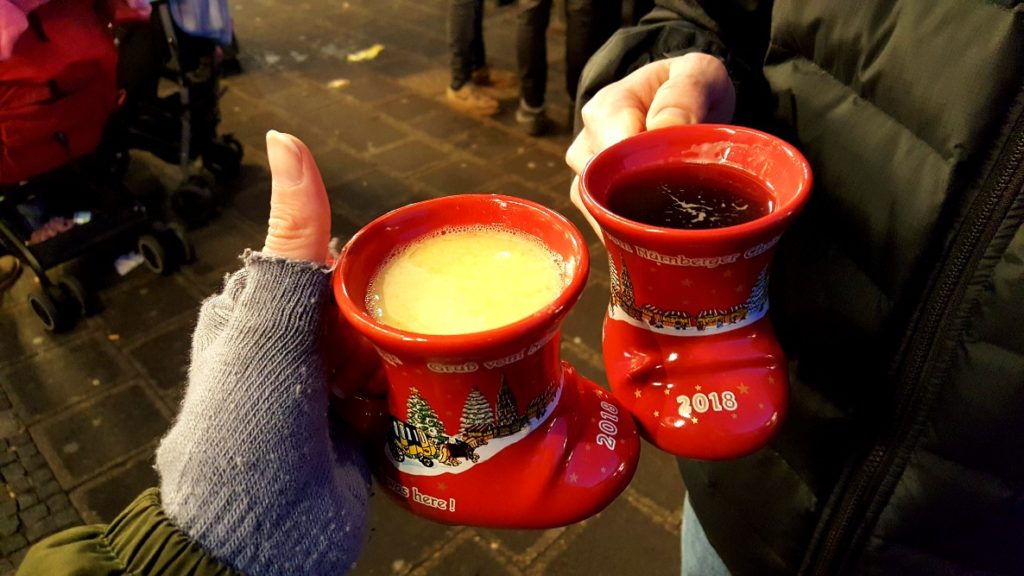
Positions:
(699, 557)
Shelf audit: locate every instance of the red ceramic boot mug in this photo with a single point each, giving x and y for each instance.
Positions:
(690, 217)
(488, 428)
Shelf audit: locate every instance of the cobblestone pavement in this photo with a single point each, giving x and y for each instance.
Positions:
(81, 412)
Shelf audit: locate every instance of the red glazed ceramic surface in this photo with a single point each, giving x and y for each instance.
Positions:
(688, 345)
(490, 428)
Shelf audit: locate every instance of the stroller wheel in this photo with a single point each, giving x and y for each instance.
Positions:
(52, 309)
(223, 157)
(193, 202)
(87, 302)
(177, 235)
(158, 254)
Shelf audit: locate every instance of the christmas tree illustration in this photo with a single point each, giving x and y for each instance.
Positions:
(509, 421)
(759, 294)
(614, 277)
(627, 289)
(423, 416)
(477, 417)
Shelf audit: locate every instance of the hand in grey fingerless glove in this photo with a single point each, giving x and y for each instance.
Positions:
(249, 470)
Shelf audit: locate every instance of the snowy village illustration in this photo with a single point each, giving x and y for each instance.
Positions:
(415, 446)
(624, 307)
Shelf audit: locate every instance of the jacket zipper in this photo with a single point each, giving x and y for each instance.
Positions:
(984, 218)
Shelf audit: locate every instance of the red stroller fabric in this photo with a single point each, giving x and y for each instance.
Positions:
(57, 91)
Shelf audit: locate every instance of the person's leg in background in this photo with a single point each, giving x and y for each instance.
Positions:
(466, 44)
(699, 557)
(588, 25)
(532, 59)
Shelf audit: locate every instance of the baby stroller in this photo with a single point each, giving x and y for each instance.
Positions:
(181, 126)
(62, 158)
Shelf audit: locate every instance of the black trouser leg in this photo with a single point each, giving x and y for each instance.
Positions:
(465, 39)
(532, 50)
(588, 24)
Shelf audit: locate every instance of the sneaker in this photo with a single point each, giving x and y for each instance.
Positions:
(496, 83)
(470, 100)
(532, 120)
(10, 269)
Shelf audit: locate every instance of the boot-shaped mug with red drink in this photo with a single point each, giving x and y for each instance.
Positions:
(690, 217)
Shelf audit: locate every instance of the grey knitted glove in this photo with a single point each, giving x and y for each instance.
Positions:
(248, 470)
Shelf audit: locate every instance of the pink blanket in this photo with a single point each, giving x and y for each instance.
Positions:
(14, 20)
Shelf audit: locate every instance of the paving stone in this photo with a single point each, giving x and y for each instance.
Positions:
(32, 462)
(408, 156)
(18, 556)
(6, 567)
(135, 309)
(27, 500)
(7, 456)
(658, 479)
(459, 177)
(640, 546)
(371, 88)
(64, 375)
(253, 203)
(537, 165)
(370, 195)
(396, 538)
(587, 316)
(57, 502)
(22, 334)
(41, 529)
(165, 357)
(446, 125)
(409, 107)
(20, 484)
(511, 187)
(398, 64)
(48, 489)
(93, 436)
(337, 165)
(470, 559)
(361, 129)
(41, 476)
(103, 498)
(489, 143)
(33, 514)
(12, 543)
(8, 507)
(218, 247)
(27, 450)
(65, 518)
(516, 541)
(12, 471)
(9, 525)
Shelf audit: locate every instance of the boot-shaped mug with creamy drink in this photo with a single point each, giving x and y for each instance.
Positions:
(690, 217)
(486, 428)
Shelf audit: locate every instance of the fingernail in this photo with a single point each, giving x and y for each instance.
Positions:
(286, 166)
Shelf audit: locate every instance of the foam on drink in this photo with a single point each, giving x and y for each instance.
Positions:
(464, 280)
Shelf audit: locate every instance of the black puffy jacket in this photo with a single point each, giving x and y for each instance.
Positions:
(898, 295)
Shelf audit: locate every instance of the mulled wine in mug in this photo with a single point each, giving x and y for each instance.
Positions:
(463, 297)
(690, 216)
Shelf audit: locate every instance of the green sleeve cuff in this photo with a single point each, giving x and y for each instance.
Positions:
(141, 540)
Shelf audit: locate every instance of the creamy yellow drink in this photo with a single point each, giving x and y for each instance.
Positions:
(463, 280)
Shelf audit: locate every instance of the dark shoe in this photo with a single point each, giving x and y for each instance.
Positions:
(532, 120)
(498, 84)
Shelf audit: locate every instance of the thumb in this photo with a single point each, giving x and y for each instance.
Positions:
(300, 215)
(698, 89)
